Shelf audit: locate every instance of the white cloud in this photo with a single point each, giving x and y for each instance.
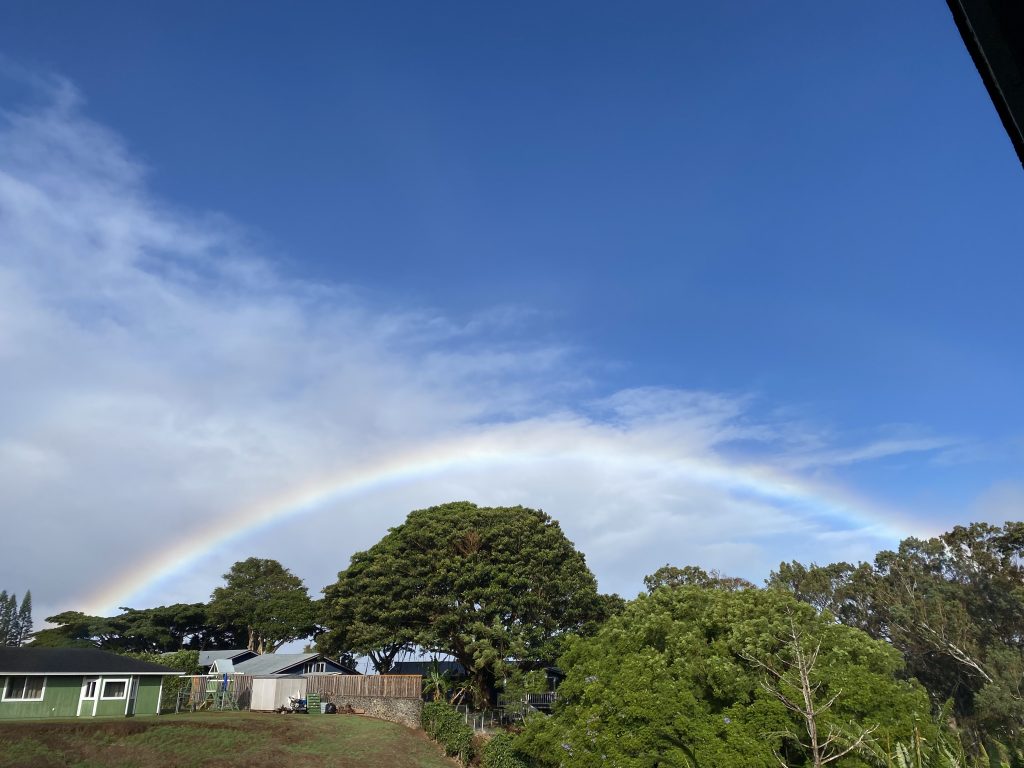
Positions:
(159, 377)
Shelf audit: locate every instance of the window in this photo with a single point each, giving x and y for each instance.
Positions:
(24, 688)
(114, 689)
(90, 689)
(314, 666)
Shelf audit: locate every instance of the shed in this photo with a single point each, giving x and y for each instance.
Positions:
(77, 682)
(271, 692)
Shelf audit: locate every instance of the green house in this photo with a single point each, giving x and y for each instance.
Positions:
(77, 682)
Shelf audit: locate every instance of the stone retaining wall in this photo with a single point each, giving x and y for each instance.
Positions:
(407, 712)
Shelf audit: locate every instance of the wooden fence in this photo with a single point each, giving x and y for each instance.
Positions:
(376, 686)
(195, 690)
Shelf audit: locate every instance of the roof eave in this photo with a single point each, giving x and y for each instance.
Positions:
(997, 48)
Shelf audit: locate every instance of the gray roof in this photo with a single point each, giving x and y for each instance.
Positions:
(270, 663)
(74, 661)
(206, 658)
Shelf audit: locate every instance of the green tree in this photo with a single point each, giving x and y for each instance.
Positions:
(8, 618)
(162, 629)
(953, 605)
(692, 575)
(436, 685)
(485, 585)
(173, 627)
(681, 679)
(268, 600)
(25, 619)
(76, 629)
(186, 661)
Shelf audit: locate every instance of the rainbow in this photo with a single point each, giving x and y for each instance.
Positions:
(513, 445)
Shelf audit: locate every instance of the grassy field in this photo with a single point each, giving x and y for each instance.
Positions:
(227, 739)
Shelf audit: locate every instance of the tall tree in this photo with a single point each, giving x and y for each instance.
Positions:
(954, 607)
(173, 627)
(8, 618)
(693, 575)
(25, 619)
(268, 600)
(15, 622)
(156, 630)
(78, 630)
(482, 584)
(792, 676)
(681, 678)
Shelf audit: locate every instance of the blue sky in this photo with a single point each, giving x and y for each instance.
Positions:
(799, 226)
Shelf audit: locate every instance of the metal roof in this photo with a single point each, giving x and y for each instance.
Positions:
(271, 663)
(74, 661)
(206, 658)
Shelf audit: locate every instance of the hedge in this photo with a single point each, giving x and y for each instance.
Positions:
(499, 754)
(447, 727)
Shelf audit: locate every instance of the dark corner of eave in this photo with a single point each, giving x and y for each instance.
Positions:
(993, 33)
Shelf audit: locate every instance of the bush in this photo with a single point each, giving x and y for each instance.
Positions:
(186, 661)
(499, 754)
(446, 726)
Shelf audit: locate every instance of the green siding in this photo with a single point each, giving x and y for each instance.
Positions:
(60, 699)
(112, 707)
(149, 696)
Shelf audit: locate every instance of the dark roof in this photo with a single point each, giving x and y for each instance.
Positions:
(74, 661)
(206, 658)
(993, 31)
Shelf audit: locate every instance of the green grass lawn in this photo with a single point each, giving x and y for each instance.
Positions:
(228, 739)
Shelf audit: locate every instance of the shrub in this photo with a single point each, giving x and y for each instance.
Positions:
(446, 726)
(186, 661)
(499, 754)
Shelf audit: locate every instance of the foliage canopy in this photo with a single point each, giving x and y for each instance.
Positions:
(678, 680)
(139, 630)
(484, 584)
(953, 605)
(15, 621)
(268, 600)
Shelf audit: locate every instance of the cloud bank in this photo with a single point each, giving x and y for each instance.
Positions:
(172, 403)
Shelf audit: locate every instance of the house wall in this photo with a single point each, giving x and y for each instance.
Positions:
(330, 667)
(148, 699)
(60, 699)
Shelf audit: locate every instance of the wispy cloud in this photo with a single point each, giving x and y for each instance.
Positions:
(871, 451)
(160, 376)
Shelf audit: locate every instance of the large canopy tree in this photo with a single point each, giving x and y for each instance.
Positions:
(953, 605)
(268, 600)
(693, 575)
(483, 584)
(716, 678)
(140, 630)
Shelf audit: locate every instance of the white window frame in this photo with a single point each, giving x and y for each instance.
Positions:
(7, 683)
(106, 681)
(90, 701)
(314, 667)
